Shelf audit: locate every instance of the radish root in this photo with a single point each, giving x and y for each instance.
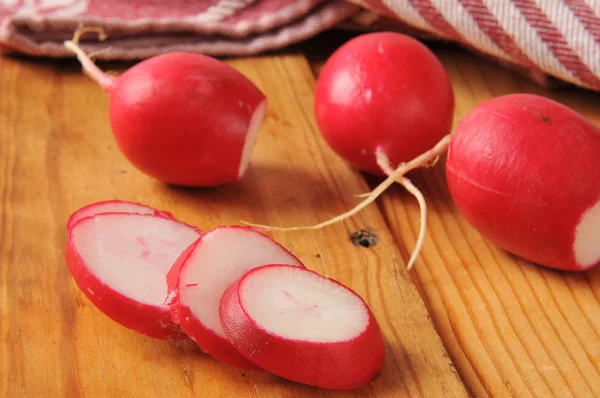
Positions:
(427, 164)
(384, 163)
(89, 67)
(426, 159)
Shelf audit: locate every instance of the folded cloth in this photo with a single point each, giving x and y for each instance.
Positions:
(544, 39)
(138, 29)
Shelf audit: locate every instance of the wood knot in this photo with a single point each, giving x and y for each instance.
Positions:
(364, 238)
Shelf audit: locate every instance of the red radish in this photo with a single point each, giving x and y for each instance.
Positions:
(204, 271)
(304, 327)
(525, 172)
(120, 262)
(182, 118)
(383, 99)
(114, 206)
(383, 91)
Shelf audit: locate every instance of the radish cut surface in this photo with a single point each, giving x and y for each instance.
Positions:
(251, 137)
(304, 327)
(587, 245)
(205, 270)
(114, 206)
(120, 262)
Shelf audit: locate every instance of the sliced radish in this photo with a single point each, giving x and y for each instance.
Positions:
(304, 327)
(204, 271)
(114, 206)
(120, 262)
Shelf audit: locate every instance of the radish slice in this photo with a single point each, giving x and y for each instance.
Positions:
(114, 206)
(204, 271)
(120, 261)
(304, 327)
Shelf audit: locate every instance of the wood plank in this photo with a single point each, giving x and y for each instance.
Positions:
(57, 154)
(511, 328)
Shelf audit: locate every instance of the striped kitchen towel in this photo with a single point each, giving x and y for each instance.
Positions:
(545, 39)
(138, 29)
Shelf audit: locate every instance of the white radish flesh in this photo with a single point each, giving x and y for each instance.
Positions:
(586, 246)
(120, 262)
(251, 137)
(205, 270)
(304, 327)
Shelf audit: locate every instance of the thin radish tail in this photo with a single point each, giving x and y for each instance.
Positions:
(89, 67)
(384, 163)
(426, 159)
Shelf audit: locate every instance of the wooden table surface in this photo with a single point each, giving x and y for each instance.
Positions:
(470, 319)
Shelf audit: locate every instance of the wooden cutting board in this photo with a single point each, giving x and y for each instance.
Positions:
(58, 154)
(467, 312)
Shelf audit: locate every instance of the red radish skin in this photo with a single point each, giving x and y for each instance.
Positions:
(183, 118)
(203, 272)
(383, 91)
(103, 255)
(303, 327)
(114, 206)
(525, 172)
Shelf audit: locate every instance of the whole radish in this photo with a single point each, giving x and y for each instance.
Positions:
(525, 172)
(383, 91)
(182, 118)
(384, 99)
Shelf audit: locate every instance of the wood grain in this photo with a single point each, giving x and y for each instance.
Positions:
(57, 154)
(512, 328)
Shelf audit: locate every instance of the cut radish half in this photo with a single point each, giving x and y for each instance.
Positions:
(201, 133)
(204, 271)
(114, 206)
(304, 327)
(524, 171)
(120, 262)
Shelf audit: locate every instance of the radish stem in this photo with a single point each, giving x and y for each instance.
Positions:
(422, 160)
(89, 67)
(384, 163)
